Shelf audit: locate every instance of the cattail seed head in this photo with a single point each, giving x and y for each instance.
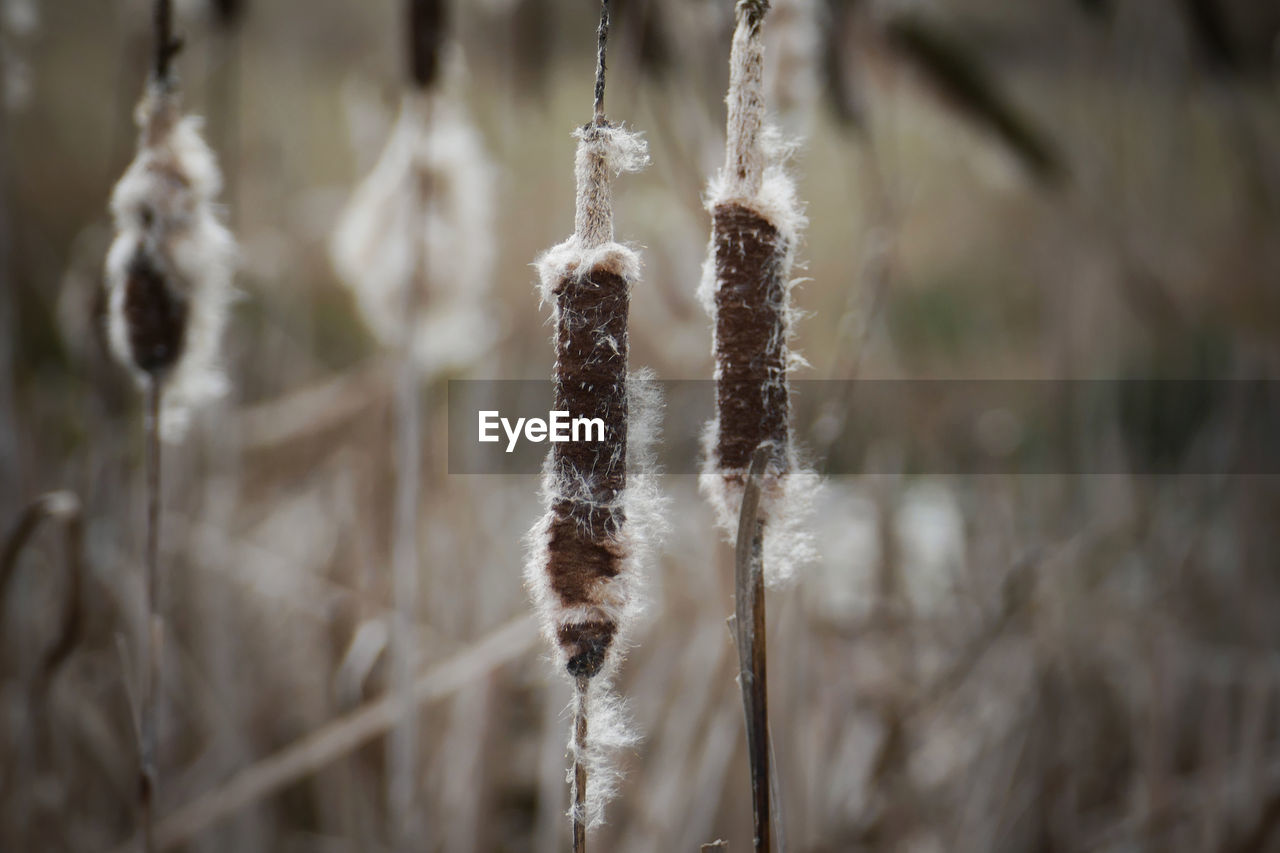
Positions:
(586, 551)
(423, 218)
(169, 269)
(746, 288)
(580, 567)
(155, 313)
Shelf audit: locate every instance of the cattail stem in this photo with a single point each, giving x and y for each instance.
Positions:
(749, 618)
(746, 98)
(425, 30)
(602, 42)
(166, 46)
(579, 766)
(153, 633)
(402, 745)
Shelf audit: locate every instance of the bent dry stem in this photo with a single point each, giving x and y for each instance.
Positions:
(64, 507)
(749, 625)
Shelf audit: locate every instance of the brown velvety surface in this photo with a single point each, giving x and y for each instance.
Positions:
(154, 314)
(751, 395)
(590, 381)
(586, 643)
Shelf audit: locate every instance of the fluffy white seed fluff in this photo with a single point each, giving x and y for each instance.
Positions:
(166, 203)
(424, 214)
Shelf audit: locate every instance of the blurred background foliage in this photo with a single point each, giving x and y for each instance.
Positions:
(1039, 191)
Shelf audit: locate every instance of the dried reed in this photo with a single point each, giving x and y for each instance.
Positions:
(583, 560)
(57, 506)
(751, 472)
(168, 275)
(427, 203)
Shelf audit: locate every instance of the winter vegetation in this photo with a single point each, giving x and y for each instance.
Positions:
(1001, 579)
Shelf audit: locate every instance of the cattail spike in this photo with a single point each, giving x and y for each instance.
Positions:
(746, 287)
(585, 551)
(155, 313)
(169, 269)
(751, 331)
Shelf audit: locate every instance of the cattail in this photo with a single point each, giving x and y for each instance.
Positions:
(168, 277)
(434, 184)
(746, 288)
(585, 551)
(414, 246)
(169, 269)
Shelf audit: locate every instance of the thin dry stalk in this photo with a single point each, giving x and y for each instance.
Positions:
(580, 767)
(602, 41)
(341, 736)
(153, 633)
(65, 507)
(402, 745)
(166, 46)
(425, 19)
(749, 619)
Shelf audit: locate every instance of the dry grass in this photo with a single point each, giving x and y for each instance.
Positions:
(976, 663)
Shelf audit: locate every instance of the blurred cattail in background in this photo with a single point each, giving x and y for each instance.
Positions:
(422, 220)
(746, 288)
(414, 245)
(168, 276)
(170, 266)
(585, 551)
(19, 19)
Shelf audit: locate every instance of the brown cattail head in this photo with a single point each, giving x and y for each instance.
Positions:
(169, 269)
(746, 288)
(155, 313)
(427, 20)
(579, 568)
